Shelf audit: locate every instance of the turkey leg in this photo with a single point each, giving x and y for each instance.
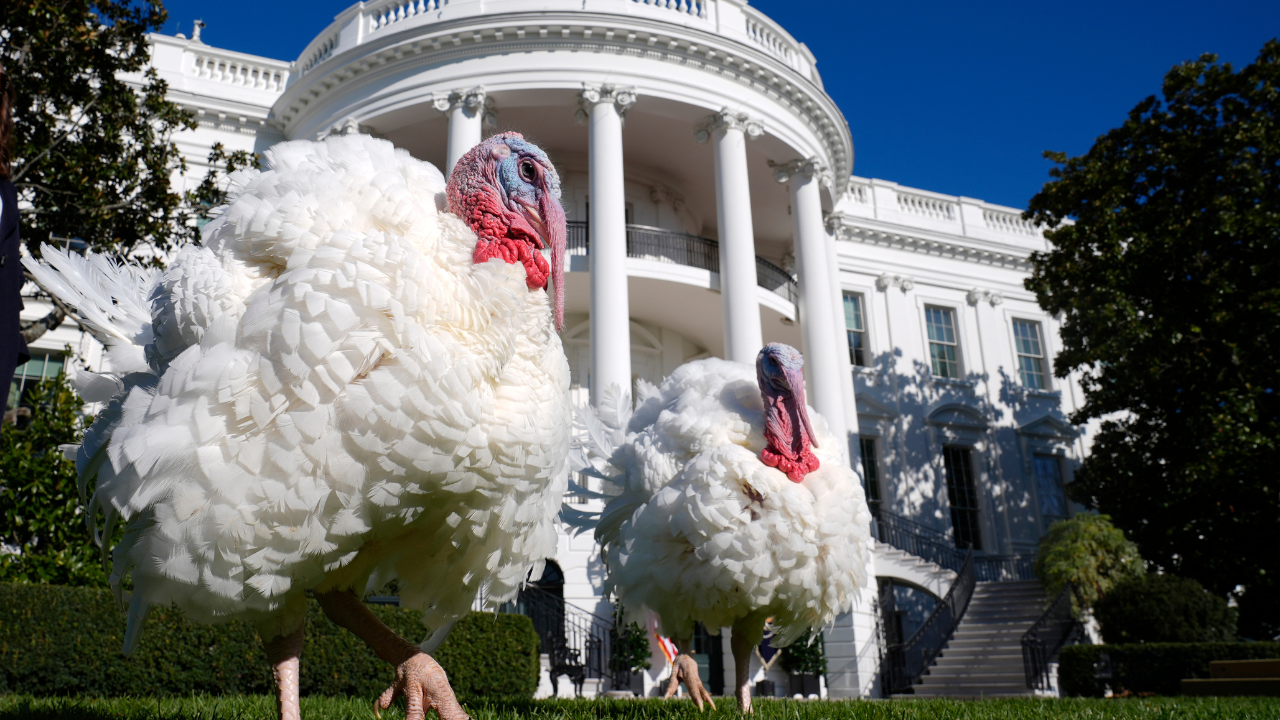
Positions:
(747, 633)
(284, 653)
(419, 679)
(684, 669)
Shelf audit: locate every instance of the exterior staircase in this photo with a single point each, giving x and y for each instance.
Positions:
(984, 656)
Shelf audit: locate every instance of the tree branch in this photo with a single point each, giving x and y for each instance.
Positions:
(70, 129)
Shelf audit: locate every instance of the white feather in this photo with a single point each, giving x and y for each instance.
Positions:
(700, 530)
(327, 367)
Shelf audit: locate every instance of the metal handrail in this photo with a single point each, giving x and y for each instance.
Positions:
(934, 545)
(652, 243)
(578, 644)
(1005, 568)
(1055, 628)
(906, 662)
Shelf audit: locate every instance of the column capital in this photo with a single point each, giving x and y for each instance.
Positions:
(592, 94)
(886, 281)
(977, 295)
(475, 99)
(728, 119)
(347, 126)
(808, 167)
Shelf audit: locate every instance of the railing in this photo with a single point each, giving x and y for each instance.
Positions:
(650, 243)
(909, 207)
(374, 19)
(383, 14)
(905, 662)
(1009, 222)
(232, 71)
(320, 51)
(919, 540)
(933, 545)
(578, 644)
(696, 8)
(1055, 628)
(925, 206)
(1005, 568)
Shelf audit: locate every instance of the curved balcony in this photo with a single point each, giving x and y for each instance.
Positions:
(651, 243)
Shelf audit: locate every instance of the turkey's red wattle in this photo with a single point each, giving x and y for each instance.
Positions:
(788, 445)
(504, 234)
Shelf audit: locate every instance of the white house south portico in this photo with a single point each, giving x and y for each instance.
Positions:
(707, 181)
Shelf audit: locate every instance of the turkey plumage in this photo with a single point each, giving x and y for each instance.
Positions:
(356, 376)
(726, 505)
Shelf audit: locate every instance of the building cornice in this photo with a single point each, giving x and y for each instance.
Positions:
(583, 33)
(869, 232)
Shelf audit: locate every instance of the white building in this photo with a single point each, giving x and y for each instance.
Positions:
(711, 177)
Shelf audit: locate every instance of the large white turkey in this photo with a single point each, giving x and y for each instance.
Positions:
(726, 506)
(356, 376)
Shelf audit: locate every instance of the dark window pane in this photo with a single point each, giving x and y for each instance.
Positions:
(958, 464)
(1053, 505)
(870, 469)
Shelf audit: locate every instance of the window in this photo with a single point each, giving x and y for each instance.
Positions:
(958, 464)
(1053, 506)
(1026, 343)
(870, 472)
(25, 377)
(856, 329)
(943, 353)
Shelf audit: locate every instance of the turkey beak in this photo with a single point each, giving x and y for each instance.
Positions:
(795, 380)
(554, 234)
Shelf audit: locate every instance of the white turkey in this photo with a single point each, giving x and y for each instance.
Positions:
(356, 376)
(726, 506)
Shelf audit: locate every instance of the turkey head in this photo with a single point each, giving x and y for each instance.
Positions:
(788, 435)
(508, 191)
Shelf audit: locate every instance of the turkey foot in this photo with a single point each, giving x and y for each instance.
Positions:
(419, 679)
(284, 653)
(422, 682)
(684, 669)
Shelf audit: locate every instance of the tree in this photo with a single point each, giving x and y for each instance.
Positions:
(93, 151)
(1168, 282)
(1089, 552)
(42, 523)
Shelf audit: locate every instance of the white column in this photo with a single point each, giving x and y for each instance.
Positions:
(466, 110)
(842, 351)
(826, 392)
(603, 106)
(728, 131)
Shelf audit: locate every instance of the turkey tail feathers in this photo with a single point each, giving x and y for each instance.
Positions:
(109, 298)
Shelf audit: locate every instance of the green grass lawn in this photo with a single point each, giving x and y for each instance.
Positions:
(257, 707)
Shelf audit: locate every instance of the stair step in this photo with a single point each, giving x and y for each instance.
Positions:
(974, 655)
(1009, 671)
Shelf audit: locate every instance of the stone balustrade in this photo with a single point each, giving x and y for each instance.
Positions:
(732, 19)
(232, 70)
(966, 217)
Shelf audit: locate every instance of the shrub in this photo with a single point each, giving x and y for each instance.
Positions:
(630, 646)
(66, 641)
(1089, 551)
(40, 511)
(1154, 667)
(1163, 609)
(805, 656)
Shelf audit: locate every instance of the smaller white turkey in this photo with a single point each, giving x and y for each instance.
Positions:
(726, 506)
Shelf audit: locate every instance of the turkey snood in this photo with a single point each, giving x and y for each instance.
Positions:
(789, 437)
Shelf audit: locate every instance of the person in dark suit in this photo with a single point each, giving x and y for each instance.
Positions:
(13, 348)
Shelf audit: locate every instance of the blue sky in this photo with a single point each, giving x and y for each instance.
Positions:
(958, 98)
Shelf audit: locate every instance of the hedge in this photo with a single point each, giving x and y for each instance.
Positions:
(66, 641)
(1150, 667)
